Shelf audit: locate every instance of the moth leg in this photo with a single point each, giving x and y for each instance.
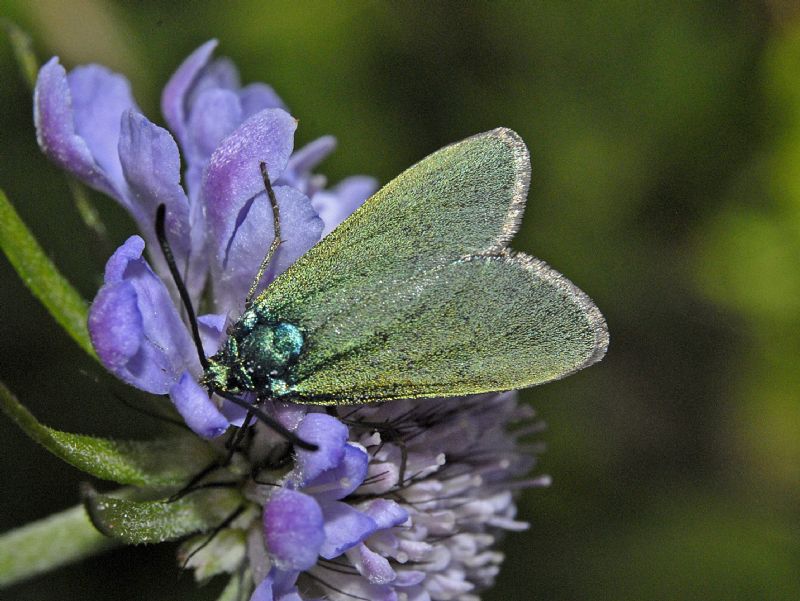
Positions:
(212, 535)
(276, 240)
(233, 445)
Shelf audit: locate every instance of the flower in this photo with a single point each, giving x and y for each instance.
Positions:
(400, 501)
(219, 225)
(406, 505)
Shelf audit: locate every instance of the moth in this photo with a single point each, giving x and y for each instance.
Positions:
(416, 294)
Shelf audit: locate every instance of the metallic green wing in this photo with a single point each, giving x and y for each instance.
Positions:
(416, 294)
(479, 324)
(464, 199)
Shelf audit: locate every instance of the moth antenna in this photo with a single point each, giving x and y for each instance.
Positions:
(184, 294)
(161, 234)
(268, 420)
(276, 240)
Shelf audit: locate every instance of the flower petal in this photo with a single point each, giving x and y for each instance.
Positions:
(212, 332)
(277, 586)
(99, 99)
(330, 435)
(304, 160)
(371, 565)
(293, 529)
(215, 114)
(337, 483)
(135, 327)
(197, 409)
(336, 205)
(173, 99)
(57, 134)
(233, 177)
(386, 513)
(257, 97)
(115, 325)
(300, 230)
(345, 527)
(151, 165)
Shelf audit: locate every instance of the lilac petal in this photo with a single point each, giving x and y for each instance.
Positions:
(212, 332)
(99, 99)
(371, 565)
(263, 591)
(345, 527)
(55, 129)
(357, 587)
(406, 578)
(330, 435)
(288, 414)
(134, 326)
(115, 325)
(197, 409)
(257, 97)
(337, 483)
(337, 204)
(309, 156)
(277, 586)
(386, 513)
(173, 99)
(293, 529)
(220, 73)
(233, 413)
(151, 164)
(215, 114)
(300, 230)
(233, 176)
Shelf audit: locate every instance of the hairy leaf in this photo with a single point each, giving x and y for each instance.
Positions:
(158, 463)
(138, 522)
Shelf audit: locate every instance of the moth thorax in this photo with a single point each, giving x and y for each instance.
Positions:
(257, 356)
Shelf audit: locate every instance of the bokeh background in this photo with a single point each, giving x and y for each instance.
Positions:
(665, 139)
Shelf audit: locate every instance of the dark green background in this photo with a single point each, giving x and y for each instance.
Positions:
(665, 139)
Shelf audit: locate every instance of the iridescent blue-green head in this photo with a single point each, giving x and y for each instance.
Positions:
(259, 356)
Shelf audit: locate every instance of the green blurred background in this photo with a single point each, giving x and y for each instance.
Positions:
(665, 139)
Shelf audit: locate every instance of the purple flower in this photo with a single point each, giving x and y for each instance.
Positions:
(409, 511)
(400, 501)
(219, 225)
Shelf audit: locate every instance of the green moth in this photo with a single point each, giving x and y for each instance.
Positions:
(417, 294)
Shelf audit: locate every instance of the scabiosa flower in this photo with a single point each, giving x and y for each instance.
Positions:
(219, 226)
(402, 501)
(407, 505)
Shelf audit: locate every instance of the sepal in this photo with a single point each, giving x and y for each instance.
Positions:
(137, 522)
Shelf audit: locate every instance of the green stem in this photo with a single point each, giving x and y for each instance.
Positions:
(42, 277)
(50, 543)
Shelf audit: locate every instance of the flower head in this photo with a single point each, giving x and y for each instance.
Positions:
(406, 503)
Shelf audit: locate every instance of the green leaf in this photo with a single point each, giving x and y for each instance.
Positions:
(55, 541)
(136, 522)
(159, 463)
(41, 276)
